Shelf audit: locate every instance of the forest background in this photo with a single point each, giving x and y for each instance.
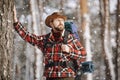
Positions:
(98, 24)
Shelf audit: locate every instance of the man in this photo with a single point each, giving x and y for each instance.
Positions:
(57, 55)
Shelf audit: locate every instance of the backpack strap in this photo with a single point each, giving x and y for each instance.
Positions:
(66, 33)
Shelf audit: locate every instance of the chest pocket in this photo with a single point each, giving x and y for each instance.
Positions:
(53, 52)
(48, 47)
(53, 48)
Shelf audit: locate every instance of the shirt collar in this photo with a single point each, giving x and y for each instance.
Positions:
(52, 38)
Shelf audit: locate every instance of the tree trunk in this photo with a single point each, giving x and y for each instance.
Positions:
(6, 39)
(38, 29)
(21, 62)
(107, 48)
(61, 5)
(117, 56)
(86, 31)
(102, 19)
(41, 11)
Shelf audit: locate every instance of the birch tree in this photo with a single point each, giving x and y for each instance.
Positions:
(6, 39)
(86, 31)
(37, 29)
(102, 30)
(107, 49)
(41, 11)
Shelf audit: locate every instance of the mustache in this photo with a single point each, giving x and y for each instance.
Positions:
(60, 24)
(59, 29)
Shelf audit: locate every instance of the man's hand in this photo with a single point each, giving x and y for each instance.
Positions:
(14, 14)
(65, 48)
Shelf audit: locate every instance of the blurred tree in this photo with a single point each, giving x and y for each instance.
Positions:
(6, 39)
(102, 30)
(61, 5)
(22, 63)
(107, 48)
(38, 29)
(86, 31)
(41, 11)
(117, 56)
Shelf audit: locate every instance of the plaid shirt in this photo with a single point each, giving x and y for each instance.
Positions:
(53, 53)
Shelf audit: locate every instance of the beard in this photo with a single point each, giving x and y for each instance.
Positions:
(59, 27)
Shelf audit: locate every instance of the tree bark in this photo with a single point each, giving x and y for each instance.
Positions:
(117, 56)
(6, 39)
(86, 31)
(102, 74)
(107, 48)
(38, 29)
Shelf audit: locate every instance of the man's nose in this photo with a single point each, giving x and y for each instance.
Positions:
(60, 21)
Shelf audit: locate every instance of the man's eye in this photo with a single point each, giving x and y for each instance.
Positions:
(56, 20)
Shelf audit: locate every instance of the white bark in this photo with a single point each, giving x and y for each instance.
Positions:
(87, 38)
(107, 42)
(37, 31)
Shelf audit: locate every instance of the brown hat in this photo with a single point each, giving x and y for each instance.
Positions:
(53, 16)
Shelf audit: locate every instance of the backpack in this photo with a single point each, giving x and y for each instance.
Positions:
(72, 28)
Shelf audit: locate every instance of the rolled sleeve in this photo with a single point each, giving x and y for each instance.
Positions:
(31, 38)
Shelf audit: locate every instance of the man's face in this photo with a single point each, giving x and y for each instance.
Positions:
(58, 24)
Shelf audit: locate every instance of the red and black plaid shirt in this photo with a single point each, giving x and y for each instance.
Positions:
(53, 53)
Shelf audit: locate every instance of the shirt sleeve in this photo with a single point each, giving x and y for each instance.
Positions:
(31, 38)
(77, 51)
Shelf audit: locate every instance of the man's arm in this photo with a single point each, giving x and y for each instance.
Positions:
(31, 38)
(77, 51)
(15, 15)
(74, 49)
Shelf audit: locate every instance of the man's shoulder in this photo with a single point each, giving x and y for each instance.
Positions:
(45, 36)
